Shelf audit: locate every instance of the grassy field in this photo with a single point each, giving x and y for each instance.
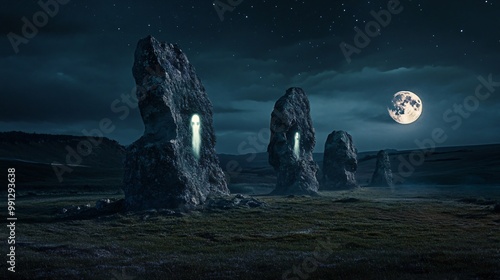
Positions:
(361, 234)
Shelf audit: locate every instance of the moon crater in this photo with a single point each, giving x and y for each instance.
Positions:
(405, 107)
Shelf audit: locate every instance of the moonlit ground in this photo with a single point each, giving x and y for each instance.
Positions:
(370, 233)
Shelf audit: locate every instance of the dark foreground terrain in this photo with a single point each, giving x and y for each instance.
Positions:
(412, 232)
(438, 222)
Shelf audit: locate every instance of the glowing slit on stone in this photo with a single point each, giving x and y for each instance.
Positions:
(296, 145)
(195, 129)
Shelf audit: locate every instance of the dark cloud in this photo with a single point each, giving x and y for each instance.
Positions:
(66, 78)
(227, 110)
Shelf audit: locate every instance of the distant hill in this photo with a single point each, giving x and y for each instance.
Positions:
(467, 165)
(48, 148)
(461, 165)
(34, 155)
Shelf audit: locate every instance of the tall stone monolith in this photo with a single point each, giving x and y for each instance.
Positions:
(174, 164)
(292, 144)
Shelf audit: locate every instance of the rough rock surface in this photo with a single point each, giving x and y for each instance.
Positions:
(162, 168)
(290, 153)
(382, 176)
(339, 162)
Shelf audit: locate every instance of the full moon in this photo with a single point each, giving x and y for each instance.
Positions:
(405, 108)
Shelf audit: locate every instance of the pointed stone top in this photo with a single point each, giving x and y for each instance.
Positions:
(339, 136)
(153, 57)
(295, 90)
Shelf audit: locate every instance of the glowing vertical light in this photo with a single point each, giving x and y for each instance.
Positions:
(196, 140)
(296, 145)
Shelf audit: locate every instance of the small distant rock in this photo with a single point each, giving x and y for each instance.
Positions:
(166, 212)
(74, 209)
(102, 207)
(111, 206)
(102, 203)
(347, 200)
(228, 202)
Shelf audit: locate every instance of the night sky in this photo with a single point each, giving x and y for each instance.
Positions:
(67, 77)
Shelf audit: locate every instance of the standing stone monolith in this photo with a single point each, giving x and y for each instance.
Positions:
(291, 145)
(382, 176)
(174, 164)
(339, 162)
